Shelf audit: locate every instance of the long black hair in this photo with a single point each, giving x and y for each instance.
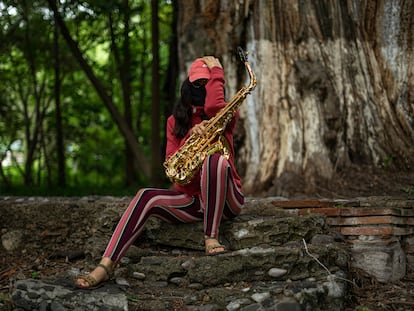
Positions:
(190, 95)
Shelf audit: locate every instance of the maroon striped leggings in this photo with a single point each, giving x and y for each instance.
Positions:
(219, 198)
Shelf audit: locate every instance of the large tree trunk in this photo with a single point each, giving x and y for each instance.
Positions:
(335, 84)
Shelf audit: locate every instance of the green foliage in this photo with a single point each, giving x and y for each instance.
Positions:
(93, 145)
(409, 190)
(35, 275)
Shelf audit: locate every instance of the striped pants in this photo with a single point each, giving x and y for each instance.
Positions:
(219, 198)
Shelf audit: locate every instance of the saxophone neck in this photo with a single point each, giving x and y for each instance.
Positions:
(252, 76)
(243, 57)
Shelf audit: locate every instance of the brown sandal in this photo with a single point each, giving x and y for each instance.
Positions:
(92, 282)
(214, 246)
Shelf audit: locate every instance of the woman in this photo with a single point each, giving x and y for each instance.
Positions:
(214, 192)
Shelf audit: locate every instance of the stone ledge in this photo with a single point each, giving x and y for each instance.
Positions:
(264, 222)
(60, 294)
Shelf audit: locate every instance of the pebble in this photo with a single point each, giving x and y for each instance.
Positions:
(188, 264)
(178, 281)
(125, 260)
(12, 240)
(276, 272)
(195, 286)
(122, 281)
(241, 233)
(232, 306)
(259, 297)
(237, 304)
(139, 275)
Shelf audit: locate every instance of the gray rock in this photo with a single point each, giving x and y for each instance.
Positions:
(276, 272)
(12, 240)
(60, 295)
(383, 259)
(260, 297)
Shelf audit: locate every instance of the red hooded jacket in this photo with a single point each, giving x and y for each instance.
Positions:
(213, 103)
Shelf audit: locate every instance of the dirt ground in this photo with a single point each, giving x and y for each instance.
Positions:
(364, 181)
(366, 295)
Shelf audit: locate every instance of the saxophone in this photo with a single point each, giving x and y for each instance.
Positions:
(182, 166)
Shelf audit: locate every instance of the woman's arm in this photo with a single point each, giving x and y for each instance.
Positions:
(214, 87)
(173, 143)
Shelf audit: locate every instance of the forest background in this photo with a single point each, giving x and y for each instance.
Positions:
(86, 87)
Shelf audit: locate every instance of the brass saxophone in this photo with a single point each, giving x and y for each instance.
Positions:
(182, 166)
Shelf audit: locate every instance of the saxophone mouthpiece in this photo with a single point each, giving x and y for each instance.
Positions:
(242, 54)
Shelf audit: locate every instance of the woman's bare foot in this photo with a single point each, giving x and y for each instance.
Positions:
(100, 274)
(213, 246)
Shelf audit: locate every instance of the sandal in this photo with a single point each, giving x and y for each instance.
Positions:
(92, 282)
(214, 246)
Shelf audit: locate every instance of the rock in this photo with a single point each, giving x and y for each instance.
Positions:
(260, 297)
(61, 295)
(12, 240)
(139, 275)
(276, 272)
(383, 259)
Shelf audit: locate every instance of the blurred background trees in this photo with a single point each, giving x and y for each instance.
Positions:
(78, 79)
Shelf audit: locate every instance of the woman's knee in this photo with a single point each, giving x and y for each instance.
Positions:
(217, 158)
(145, 191)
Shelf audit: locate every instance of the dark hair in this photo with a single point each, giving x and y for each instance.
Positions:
(182, 110)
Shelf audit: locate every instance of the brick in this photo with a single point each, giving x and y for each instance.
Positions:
(388, 202)
(329, 211)
(407, 212)
(373, 242)
(388, 230)
(302, 204)
(375, 230)
(336, 211)
(403, 231)
(369, 220)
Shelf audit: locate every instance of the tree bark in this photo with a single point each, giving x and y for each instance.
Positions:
(60, 149)
(33, 122)
(123, 65)
(170, 84)
(335, 85)
(156, 163)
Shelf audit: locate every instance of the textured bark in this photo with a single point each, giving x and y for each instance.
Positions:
(335, 84)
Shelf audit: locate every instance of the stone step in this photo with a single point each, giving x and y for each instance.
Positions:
(283, 255)
(250, 264)
(245, 231)
(276, 261)
(296, 276)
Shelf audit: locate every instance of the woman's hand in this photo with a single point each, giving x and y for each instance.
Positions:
(199, 129)
(211, 62)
